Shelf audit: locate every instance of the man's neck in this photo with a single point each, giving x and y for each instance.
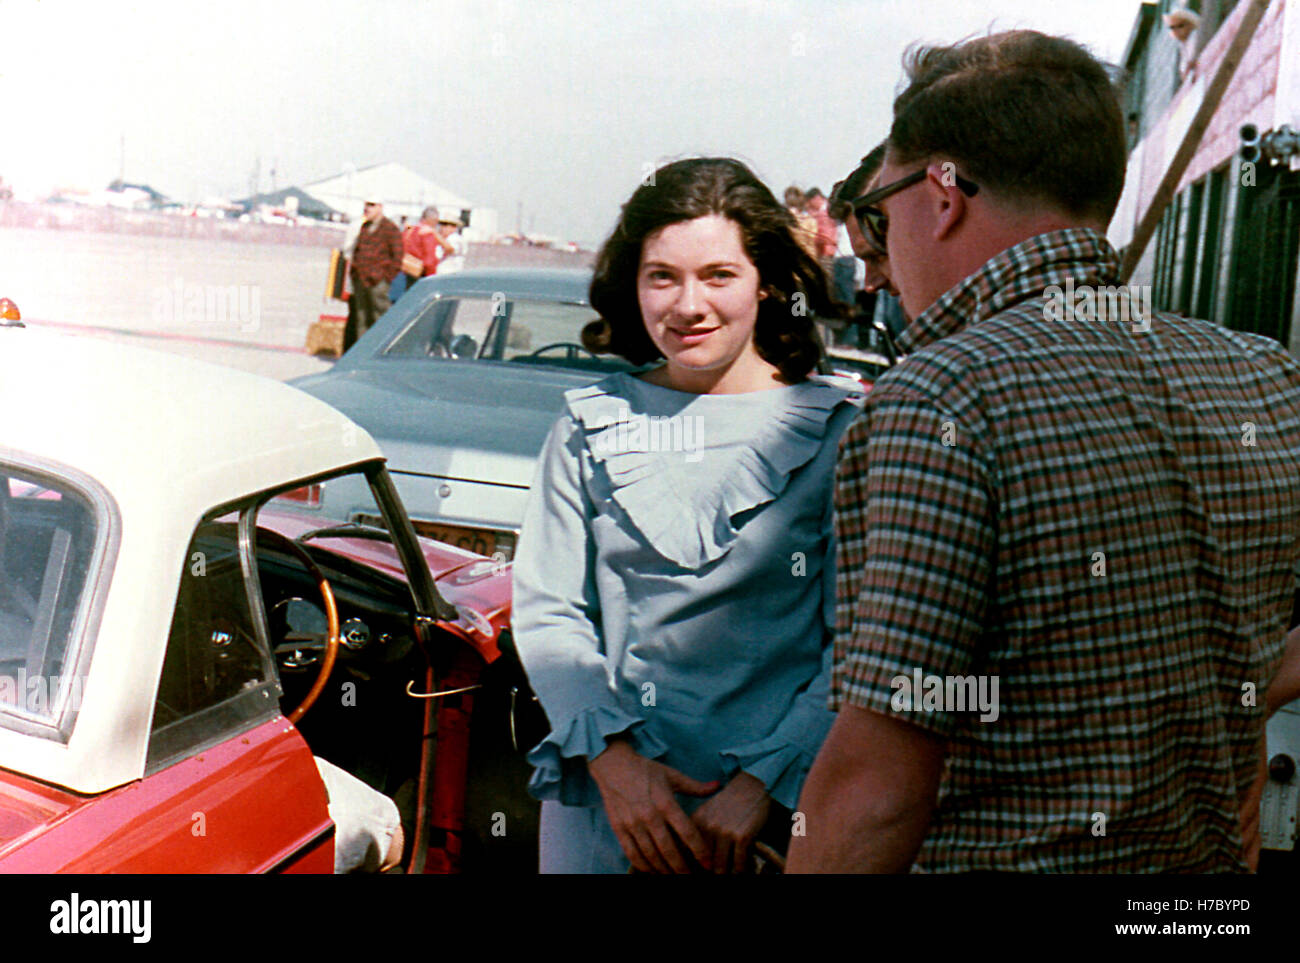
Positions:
(991, 236)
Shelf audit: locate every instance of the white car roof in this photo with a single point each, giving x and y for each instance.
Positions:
(169, 439)
(210, 433)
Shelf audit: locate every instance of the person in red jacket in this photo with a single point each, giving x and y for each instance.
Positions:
(423, 249)
(376, 259)
(426, 242)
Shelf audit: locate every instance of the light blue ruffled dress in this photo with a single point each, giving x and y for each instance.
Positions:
(674, 582)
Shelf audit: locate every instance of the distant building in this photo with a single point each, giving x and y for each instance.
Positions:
(292, 198)
(118, 194)
(140, 192)
(403, 193)
(1228, 246)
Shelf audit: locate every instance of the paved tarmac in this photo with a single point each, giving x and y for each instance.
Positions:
(269, 361)
(243, 305)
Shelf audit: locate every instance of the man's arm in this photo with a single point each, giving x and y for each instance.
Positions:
(868, 799)
(1285, 686)
(395, 251)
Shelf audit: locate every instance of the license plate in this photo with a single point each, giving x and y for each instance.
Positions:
(482, 541)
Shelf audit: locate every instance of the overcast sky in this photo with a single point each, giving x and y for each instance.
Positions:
(558, 106)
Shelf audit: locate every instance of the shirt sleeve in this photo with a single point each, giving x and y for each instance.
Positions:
(781, 761)
(556, 618)
(916, 526)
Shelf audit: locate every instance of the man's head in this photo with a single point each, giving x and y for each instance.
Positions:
(859, 182)
(429, 216)
(794, 198)
(372, 210)
(815, 200)
(1181, 22)
(448, 224)
(1008, 136)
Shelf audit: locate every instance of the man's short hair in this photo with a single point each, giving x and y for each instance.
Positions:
(855, 185)
(429, 212)
(1022, 113)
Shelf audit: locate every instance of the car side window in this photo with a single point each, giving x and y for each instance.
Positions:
(47, 537)
(456, 328)
(420, 338)
(214, 678)
(468, 331)
(536, 324)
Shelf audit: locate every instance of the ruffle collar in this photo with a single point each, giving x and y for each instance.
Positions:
(683, 466)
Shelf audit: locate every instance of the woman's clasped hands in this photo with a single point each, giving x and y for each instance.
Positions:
(656, 833)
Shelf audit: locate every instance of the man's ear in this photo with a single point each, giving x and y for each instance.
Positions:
(950, 202)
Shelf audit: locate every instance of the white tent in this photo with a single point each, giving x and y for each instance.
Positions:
(403, 193)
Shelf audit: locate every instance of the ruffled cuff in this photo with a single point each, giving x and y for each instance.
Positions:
(560, 760)
(779, 765)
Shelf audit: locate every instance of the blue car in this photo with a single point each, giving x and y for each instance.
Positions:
(459, 382)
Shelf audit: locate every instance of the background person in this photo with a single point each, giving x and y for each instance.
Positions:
(816, 205)
(873, 257)
(1183, 24)
(672, 607)
(376, 259)
(454, 247)
(1068, 505)
(878, 299)
(423, 243)
(848, 273)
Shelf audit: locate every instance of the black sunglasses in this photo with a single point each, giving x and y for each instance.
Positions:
(875, 223)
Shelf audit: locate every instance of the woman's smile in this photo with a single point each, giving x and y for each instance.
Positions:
(689, 336)
(699, 295)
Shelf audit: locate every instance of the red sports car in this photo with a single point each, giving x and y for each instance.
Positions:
(200, 671)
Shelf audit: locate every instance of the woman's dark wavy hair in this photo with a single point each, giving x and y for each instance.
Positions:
(796, 285)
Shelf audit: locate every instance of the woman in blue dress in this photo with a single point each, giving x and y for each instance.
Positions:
(674, 579)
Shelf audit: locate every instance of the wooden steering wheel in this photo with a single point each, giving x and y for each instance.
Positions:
(333, 634)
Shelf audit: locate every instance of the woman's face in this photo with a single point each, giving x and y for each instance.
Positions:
(699, 295)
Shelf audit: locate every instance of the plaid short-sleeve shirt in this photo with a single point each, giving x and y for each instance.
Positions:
(1068, 538)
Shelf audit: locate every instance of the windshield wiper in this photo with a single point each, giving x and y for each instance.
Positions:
(347, 530)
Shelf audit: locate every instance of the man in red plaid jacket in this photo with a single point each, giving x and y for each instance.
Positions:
(376, 259)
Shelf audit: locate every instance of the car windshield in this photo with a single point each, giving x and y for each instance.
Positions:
(48, 534)
(338, 515)
(496, 328)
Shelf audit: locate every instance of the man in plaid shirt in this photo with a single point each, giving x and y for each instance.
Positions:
(1068, 527)
(376, 259)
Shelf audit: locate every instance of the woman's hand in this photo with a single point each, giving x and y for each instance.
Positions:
(638, 795)
(732, 820)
